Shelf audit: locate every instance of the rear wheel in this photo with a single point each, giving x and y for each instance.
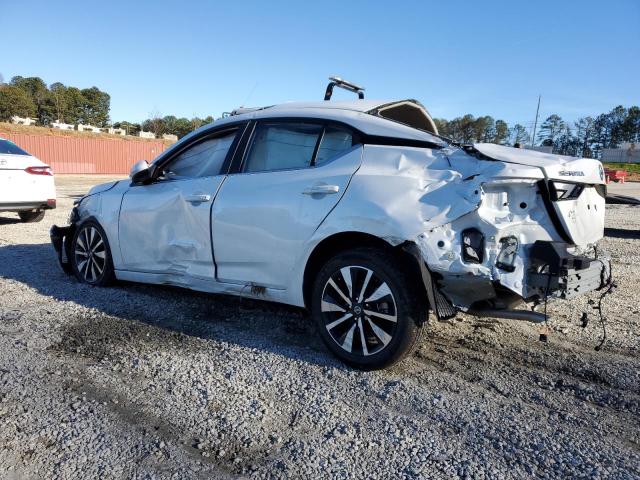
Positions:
(367, 309)
(91, 256)
(31, 216)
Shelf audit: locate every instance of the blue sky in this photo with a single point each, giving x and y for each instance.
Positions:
(457, 57)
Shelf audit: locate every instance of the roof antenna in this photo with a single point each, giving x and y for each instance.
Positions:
(338, 82)
(249, 96)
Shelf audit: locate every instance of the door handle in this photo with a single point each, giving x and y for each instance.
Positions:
(321, 189)
(198, 198)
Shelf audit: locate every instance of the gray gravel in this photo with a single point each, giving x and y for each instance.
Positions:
(142, 381)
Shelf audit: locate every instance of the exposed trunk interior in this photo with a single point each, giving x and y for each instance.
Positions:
(409, 112)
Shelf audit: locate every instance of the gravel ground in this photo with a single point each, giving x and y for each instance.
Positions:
(141, 381)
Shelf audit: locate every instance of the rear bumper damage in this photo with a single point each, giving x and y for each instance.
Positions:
(551, 273)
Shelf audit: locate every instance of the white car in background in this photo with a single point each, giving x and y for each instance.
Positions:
(358, 211)
(26, 183)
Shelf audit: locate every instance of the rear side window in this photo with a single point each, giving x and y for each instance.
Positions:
(334, 142)
(10, 148)
(204, 159)
(280, 146)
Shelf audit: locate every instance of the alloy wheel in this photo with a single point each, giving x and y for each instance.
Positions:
(90, 254)
(359, 310)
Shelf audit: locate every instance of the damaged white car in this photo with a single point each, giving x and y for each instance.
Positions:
(356, 210)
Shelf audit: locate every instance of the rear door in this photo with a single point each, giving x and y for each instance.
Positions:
(165, 227)
(294, 172)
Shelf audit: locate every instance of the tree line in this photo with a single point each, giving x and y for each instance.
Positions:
(168, 124)
(31, 97)
(586, 137)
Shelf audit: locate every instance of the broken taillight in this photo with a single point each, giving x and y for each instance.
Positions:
(45, 170)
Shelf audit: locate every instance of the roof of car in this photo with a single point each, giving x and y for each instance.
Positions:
(355, 113)
(354, 105)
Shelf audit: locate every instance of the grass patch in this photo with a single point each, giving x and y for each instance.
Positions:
(7, 128)
(629, 167)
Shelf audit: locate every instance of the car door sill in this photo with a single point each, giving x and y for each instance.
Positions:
(203, 284)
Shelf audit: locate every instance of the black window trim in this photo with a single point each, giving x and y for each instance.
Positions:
(239, 161)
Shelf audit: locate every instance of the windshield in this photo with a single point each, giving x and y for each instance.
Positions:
(8, 147)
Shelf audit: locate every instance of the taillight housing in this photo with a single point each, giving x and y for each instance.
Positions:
(565, 190)
(41, 170)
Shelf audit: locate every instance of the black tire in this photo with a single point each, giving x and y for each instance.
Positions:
(31, 216)
(393, 296)
(90, 255)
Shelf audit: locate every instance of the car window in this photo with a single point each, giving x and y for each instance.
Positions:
(334, 141)
(278, 146)
(204, 159)
(8, 147)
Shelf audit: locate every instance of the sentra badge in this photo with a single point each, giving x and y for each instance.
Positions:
(571, 173)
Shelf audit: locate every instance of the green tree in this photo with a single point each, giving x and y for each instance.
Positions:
(15, 101)
(631, 125)
(584, 137)
(155, 124)
(130, 128)
(483, 129)
(501, 132)
(58, 99)
(182, 127)
(518, 134)
(95, 107)
(551, 129)
(37, 90)
(566, 143)
(443, 126)
(73, 105)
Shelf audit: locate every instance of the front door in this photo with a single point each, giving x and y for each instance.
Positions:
(293, 175)
(165, 227)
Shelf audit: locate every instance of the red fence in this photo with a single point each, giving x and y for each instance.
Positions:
(75, 154)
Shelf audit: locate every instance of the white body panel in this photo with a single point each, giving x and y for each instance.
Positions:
(263, 228)
(165, 227)
(20, 190)
(262, 221)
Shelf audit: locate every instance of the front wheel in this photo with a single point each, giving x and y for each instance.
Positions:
(367, 309)
(91, 256)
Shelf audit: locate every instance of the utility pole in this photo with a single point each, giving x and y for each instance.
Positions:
(535, 124)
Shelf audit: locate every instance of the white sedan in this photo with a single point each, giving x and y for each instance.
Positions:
(357, 211)
(26, 183)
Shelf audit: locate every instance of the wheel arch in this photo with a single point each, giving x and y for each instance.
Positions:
(343, 241)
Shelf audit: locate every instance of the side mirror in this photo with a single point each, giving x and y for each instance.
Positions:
(142, 177)
(141, 173)
(138, 167)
